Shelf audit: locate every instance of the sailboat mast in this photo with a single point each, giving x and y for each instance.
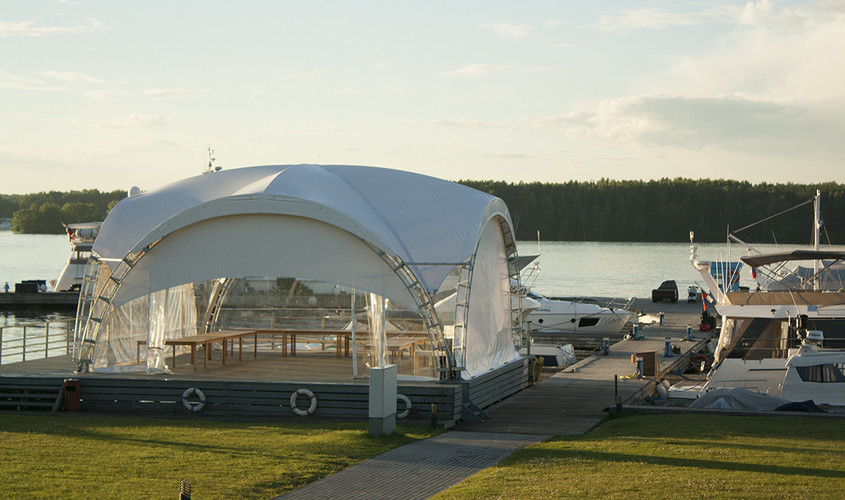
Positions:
(817, 224)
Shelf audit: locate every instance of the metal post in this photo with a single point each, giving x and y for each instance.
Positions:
(689, 333)
(354, 350)
(528, 336)
(184, 490)
(605, 346)
(47, 341)
(23, 345)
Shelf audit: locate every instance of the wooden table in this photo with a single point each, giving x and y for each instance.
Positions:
(342, 338)
(205, 340)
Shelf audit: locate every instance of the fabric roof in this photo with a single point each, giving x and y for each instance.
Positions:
(369, 202)
(771, 258)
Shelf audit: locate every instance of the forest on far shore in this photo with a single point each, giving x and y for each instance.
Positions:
(664, 210)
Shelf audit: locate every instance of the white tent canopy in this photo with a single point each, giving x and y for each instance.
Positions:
(388, 232)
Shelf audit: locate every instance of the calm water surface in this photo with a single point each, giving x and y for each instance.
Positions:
(565, 268)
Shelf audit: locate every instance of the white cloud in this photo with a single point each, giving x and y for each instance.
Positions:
(151, 93)
(508, 31)
(481, 69)
(750, 14)
(29, 29)
(725, 123)
(70, 76)
(139, 121)
(21, 82)
(464, 123)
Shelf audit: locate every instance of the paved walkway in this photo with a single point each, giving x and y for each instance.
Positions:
(418, 470)
(568, 403)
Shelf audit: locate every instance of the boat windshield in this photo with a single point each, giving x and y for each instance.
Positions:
(535, 295)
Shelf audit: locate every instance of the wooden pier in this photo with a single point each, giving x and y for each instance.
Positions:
(573, 400)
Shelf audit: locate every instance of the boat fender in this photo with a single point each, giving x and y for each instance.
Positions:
(192, 405)
(404, 399)
(300, 411)
(661, 391)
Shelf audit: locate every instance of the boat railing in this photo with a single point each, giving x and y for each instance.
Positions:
(755, 385)
(35, 340)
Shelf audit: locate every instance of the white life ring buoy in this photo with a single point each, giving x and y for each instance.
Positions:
(191, 405)
(299, 411)
(404, 398)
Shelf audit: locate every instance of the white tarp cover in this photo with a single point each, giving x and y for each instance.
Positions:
(418, 218)
(737, 399)
(310, 221)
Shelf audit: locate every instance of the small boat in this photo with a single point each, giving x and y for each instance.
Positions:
(81, 236)
(566, 316)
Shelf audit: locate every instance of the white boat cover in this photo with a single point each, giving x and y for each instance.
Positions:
(325, 223)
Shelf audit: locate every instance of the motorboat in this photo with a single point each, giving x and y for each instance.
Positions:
(81, 236)
(809, 372)
(566, 316)
(771, 337)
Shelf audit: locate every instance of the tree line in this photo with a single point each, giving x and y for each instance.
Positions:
(666, 210)
(45, 212)
(662, 210)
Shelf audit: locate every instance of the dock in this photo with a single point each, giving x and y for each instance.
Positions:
(573, 400)
(40, 301)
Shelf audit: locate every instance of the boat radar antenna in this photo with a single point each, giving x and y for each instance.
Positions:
(211, 168)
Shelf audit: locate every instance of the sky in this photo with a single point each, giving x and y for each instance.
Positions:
(109, 95)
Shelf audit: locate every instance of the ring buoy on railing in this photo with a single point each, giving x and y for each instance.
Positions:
(193, 405)
(404, 399)
(697, 362)
(296, 409)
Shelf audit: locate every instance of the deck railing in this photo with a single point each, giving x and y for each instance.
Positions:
(35, 340)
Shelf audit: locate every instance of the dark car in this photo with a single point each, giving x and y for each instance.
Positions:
(667, 290)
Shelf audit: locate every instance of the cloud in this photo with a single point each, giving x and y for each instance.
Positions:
(727, 123)
(70, 76)
(21, 82)
(508, 31)
(139, 121)
(482, 69)
(29, 29)
(151, 93)
(464, 123)
(749, 14)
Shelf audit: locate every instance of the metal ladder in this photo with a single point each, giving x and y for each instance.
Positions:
(95, 304)
(215, 302)
(462, 296)
(443, 359)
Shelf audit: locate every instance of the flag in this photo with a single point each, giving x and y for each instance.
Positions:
(754, 272)
(704, 299)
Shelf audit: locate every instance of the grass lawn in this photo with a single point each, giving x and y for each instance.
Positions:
(676, 456)
(57, 456)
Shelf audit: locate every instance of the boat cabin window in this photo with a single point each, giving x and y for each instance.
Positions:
(535, 295)
(584, 322)
(828, 372)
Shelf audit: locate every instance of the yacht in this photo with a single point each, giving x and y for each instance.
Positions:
(81, 236)
(567, 316)
(771, 338)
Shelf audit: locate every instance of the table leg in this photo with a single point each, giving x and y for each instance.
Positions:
(224, 351)
(173, 356)
(205, 355)
(255, 345)
(293, 344)
(240, 348)
(194, 356)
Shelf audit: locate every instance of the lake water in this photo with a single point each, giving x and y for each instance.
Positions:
(589, 269)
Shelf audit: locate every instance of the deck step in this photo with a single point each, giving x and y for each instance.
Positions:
(31, 397)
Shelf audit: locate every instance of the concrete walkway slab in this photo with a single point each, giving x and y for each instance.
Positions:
(418, 470)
